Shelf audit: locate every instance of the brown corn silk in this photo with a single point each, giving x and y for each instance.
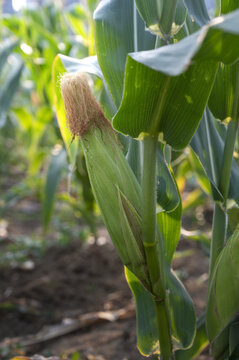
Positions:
(83, 113)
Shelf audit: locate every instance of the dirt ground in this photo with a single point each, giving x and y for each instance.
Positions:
(71, 281)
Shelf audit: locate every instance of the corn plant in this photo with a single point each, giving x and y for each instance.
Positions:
(10, 74)
(41, 32)
(169, 76)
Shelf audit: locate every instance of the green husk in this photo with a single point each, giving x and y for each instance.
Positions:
(115, 186)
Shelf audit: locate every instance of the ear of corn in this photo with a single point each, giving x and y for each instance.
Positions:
(115, 186)
(116, 189)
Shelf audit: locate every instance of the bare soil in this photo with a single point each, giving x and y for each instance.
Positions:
(70, 281)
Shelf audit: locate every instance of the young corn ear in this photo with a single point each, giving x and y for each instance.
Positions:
(115, 186)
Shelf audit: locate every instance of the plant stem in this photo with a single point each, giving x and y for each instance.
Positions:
(164, 335)
(227, 159)
(219, 228)
(150, 242)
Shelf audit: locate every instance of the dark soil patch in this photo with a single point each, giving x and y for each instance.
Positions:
(70, 281)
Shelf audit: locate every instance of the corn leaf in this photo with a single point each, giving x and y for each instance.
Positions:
(170, 228)
(89, 65)
(57, 163)
(71, 147)
(147, 331)
(224, 345)
(119, 30)
(6, 48)
(233, 217)
(183, 318)
(220, 346)
(76, 16)
(166, 90)
(228, 6)
(24, 117)
(208, 145)
(223, 299)
(181, 312)
(234, 341)
(155, 13)
(198, 10)
(199, 343)
(200, 172)
(9, 88)
(222, 97)
(134, 158)
(167, 194)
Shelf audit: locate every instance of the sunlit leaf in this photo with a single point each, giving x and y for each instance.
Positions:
(209, 146)
(166, 90)
(170, 228)
(58, 71)
(119, 30)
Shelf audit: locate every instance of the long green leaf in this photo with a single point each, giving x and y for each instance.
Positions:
(57, 163)
(167, 193)
(183, 319)
(223, 300)
(181, 313)
(223, 345)
(9, 89)
(166, 90)
(228, 5)
(234, 341)
(6, 48)
(170, 228)
(89, 65)
(58, 70)
(209, 145)
(199, 343)
(119, 30)
(222, 97)
(198, 10)
(147, 330)
(156, 13)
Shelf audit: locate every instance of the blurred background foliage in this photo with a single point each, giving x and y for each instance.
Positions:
(33, 162)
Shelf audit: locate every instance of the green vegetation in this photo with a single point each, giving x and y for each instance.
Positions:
(31, 151)
(117, 108)
(163, 90)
